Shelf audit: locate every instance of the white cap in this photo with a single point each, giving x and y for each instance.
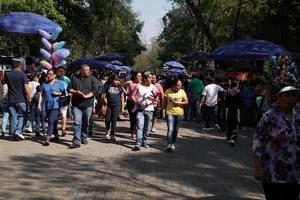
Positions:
(287, 89)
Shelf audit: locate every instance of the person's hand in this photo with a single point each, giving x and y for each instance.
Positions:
(81, 94)
(39, 108)
(56, 93)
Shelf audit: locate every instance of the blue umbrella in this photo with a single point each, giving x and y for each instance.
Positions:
(174, 64)
(196, 55)
(91, 62)
(248, 49)
(25, 23)
(116, 62)
(109, 57)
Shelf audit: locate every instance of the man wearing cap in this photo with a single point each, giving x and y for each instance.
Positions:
(276, 147)
(18, 95)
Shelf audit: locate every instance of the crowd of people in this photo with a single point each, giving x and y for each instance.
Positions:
(36, 102)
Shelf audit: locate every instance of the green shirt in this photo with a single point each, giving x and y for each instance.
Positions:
(196, 86)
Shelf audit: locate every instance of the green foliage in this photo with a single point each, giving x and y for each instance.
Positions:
(89, 27)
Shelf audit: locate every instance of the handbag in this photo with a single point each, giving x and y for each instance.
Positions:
(64, 101)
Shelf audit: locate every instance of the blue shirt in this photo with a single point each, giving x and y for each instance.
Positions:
(65, 81)
(50, 101)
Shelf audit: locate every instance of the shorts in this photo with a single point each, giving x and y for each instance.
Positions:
(63, 111)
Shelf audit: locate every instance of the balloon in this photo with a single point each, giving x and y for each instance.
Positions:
(58, 45)
(46, 44)
(62, 63)
(46, 64)
(46, 54)
(44, 34)
(56, 58)
(56, 32)
(63, 53)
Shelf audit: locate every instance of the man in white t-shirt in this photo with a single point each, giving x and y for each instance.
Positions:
(209, 100)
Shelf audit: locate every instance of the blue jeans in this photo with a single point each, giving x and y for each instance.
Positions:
(81, 123)
(17, 112)
(194, 103)
(40, 119)
(173, 122)
(143, 119)
(5, 114)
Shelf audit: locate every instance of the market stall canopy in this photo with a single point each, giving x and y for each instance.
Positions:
(174, 64)
(109, 57)
(25, 23)
(92, 63)
(248, 49)
(195, 55)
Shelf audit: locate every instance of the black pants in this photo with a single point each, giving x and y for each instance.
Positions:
(211, 115)
(111, 118)
(281, 191)
(132, 116)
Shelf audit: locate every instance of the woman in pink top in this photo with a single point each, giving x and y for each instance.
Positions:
(157, 102)
(136, 78)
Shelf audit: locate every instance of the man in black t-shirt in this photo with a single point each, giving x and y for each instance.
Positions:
(18, 95)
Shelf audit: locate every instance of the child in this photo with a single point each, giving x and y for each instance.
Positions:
(39, 115)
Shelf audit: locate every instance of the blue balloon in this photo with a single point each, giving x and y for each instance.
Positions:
(63, 53)
(56, 32)
(59, 45)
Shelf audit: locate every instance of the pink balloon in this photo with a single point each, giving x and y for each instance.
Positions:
(44, 34)
(46, 64)
(46, 44)
(46, 54)
(57, 59)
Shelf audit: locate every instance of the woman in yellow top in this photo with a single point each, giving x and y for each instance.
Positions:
(174, 102)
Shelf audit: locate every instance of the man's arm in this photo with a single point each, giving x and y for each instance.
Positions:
(27, 91)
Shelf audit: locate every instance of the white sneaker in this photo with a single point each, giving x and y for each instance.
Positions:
(107, 134)
(206, 129)
(20, 136)
(29, 129)
(173, 147)
(218, 127)
(169, 147)
(153, 130)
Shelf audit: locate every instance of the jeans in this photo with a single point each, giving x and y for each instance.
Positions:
(32, 114)
(194, 103)
(210, 114)
(173, 122)
(143, 119)
(40, 119)
(5, 114)
(132, 116)
(17, 112)
(52, 116)
(81, 123)
(111, 118)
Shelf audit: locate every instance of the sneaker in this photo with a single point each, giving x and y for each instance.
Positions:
(137, 147)
(47, 142)
(29, 130)
(20, 136)
(107, 134)
(218, 127)
(169, 148)
(173, 147)
(84, 141)
(63, 133)
(145, 145)
(54, 139)
(206, 129)
(113, 138)
(153, 130)
(232, 142)
(74, 145)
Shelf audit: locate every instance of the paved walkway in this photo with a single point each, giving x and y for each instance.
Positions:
(203, 167)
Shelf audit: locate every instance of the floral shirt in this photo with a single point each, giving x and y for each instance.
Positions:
(277, 141)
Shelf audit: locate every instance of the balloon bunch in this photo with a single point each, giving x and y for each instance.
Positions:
(55, 54)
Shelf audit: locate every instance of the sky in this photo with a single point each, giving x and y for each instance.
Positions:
(151, 12)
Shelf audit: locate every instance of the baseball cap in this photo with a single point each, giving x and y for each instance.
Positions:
(288, 89)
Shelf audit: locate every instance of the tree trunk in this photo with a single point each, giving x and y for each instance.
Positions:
(201, 22)
(236, 21)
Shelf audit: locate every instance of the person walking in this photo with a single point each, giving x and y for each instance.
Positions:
(174, 102)
(83, 87)
(195, 90)
(210, 103)
(18, 96)
(33, 83)
(276, 148)
(157, 103)
(143, 97)
(52, 90)
(113, 91)
(60, 74)
(4, 105)
(131, 85)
